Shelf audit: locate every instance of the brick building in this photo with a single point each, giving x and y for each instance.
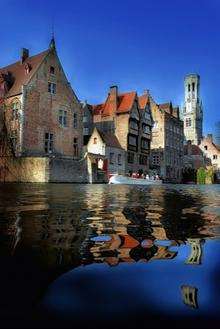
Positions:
(122, 116)
(167, 141)
(42, 114)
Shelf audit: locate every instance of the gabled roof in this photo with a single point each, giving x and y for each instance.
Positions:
(122, 104)
(109, 139)
(143, 101)
(18, 72)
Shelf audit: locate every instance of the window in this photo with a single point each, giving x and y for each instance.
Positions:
(119, 159)
(86, 131)
(147, 116)
(156, 159)
(145, 144)
(85, 119)
(63, 118)
(188, 122)
(14, 138)
(188, 87)
(193, 86)
(146, 129)
(130, 157)
(112, 158)
(48, 146)
(15, 109)
(75, 120)
(155, 125)
(133, 124)
(75, 147)
(95, 140)
(132, 140)
(52, 70)
(206, 147)
(143, 159)
(215, 157)
(51, 88)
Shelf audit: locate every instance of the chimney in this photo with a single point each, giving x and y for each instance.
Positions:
(24, 54)
(113, 99)
(114, 90)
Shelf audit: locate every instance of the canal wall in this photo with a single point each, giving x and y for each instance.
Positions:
(43, 170)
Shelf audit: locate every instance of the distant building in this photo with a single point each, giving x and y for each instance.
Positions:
(121, 115)
(192, 110)
(87, 122)
(167, 141)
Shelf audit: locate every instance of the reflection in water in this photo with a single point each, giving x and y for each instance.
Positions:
(47, 230)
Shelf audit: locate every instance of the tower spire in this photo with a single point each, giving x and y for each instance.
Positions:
(52, 41)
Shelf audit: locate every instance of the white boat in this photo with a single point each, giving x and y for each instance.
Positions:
(119, 179)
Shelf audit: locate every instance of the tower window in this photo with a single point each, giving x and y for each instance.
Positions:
(193, 86)
(215, 157)
(188, 87)
(206, 147)
(188, 122)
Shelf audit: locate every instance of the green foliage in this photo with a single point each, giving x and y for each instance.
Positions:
(201, 176)
(209, 176)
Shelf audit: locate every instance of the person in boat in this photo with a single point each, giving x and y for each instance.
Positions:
(157, 177)
(147, 177)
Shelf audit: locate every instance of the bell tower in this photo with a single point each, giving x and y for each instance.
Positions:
(192, 110)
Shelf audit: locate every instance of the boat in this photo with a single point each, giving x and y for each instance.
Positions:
(120, 179)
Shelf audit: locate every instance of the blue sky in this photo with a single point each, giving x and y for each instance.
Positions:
(138, 45)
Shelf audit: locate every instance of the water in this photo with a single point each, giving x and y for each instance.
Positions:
(103, 255)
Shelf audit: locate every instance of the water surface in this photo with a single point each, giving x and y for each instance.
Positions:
(105, 255)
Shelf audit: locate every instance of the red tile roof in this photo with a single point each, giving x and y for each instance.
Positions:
(18, 72)
(143, 100)
(122, 104)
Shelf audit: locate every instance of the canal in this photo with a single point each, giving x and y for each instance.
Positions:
(104, 256)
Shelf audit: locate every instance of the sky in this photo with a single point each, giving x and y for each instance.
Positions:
(135, 44)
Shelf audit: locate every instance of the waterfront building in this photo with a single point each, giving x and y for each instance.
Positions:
(108, 146)
(121, 115)
(211, 152)
(167, 141)
(42, 118)
(192, 110)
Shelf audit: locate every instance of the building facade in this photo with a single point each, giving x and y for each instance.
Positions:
(167, 142)
(107, 145)
(121, 115)
(42, 113)
(192, 110)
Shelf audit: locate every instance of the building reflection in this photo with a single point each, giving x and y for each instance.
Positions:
(190, 296)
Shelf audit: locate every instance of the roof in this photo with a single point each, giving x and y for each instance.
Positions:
(192, 149)
(110, 139)
(143, 100)
(121, 104)
(18, 72)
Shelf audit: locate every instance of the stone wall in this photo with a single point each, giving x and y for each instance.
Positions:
(68, 171)
(43, 170)
(33, 170)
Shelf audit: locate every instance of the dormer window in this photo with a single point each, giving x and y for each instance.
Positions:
(52, 70)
